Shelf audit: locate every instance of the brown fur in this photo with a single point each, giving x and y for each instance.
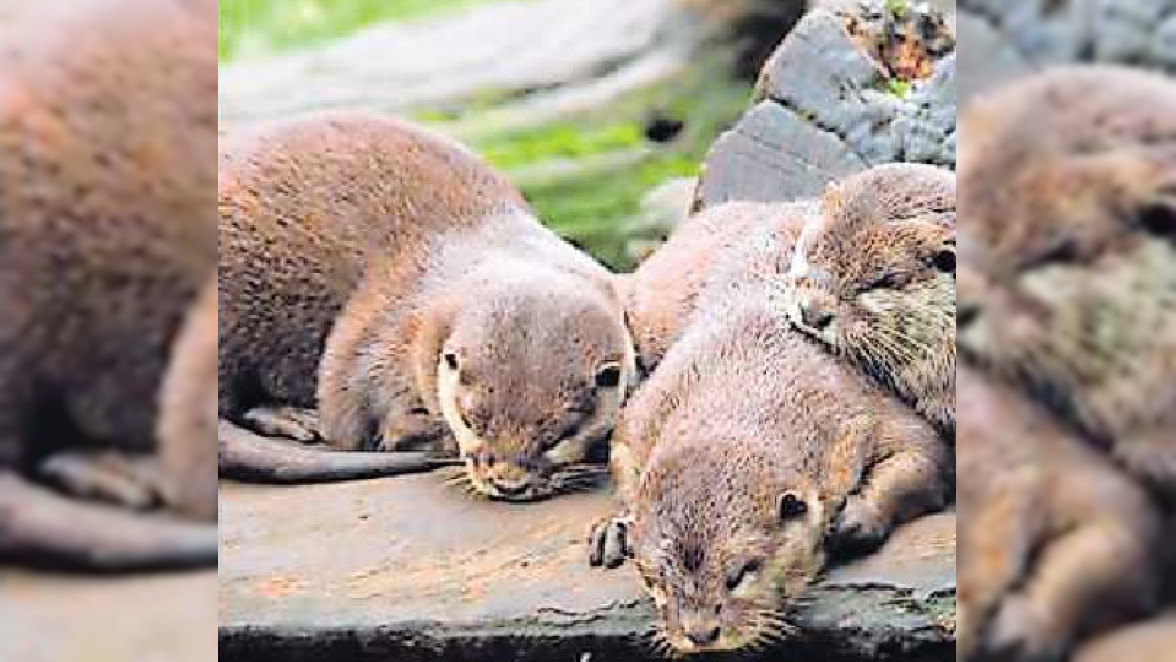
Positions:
(1070, 183)
(1151, 641)
(1054, 541)
(742, 414)
(874, 280)
(360, 255)
(662, 295)
(107, 130)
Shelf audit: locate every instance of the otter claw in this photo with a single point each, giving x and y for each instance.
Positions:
(295, 423)
(608, 543)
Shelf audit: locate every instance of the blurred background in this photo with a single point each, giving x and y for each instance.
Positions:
(599, 110)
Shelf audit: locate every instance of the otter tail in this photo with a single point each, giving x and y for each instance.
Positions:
(38, 527)
(250, 457)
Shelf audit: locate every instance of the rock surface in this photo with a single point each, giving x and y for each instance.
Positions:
(832, 102)
(1007, 38)
(411, 569)
(162, 618)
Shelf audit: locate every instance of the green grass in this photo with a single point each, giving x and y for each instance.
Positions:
(254, 27)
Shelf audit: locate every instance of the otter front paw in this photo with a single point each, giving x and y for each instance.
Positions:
(1021, 630)
(295, 423)
(860, 525)
(608, 542)
(134, 482)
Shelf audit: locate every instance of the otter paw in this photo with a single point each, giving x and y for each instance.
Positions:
(859, 525)
(1019, 630)
(608, 542)
(301, 425)
(134, 482)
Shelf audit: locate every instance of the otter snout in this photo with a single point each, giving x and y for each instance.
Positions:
(509, 478)
(812, 310)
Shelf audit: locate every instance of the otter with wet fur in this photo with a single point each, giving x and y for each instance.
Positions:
(1070, 185)
(1055, 542)
(388, 277)
(746, 447)
(107, 131)
(873, 279)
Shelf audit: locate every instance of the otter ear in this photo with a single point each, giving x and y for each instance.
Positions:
(790, 506)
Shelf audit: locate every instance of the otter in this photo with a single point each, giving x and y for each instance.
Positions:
(744, 451)
(1071, 231)
(662, 294)
(107, 127)
(1055, 541)
(1150, 641)
(389, 278)
(873, 279)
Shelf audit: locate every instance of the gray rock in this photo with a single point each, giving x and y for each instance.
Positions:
(827, 109)
(412, 569)
(74, 618)
(774, 154)
(1045, 32)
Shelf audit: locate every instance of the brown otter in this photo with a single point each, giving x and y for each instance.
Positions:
(743, 450)
(1054, 541)
(1150, 641)
(387, 276)
(873, 278)
(1071, 228)
(108, 134)
(662, 294)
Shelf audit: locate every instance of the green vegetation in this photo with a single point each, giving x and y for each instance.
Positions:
(249, 27)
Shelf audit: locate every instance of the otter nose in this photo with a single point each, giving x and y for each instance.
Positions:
(815, 313)
(703, 635)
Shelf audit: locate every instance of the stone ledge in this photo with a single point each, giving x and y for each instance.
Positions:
(409, 568)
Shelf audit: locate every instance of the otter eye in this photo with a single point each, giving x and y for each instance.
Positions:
(451, 360)
(944, 261)
(609, 376)
(734, 579)
(1059, 252)
(791, 506)
(1159, 220)
(887, 281)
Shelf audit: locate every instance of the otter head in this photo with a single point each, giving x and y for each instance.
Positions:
(1068, 282)
(873, 274)
(530, 376)
(724, 547)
